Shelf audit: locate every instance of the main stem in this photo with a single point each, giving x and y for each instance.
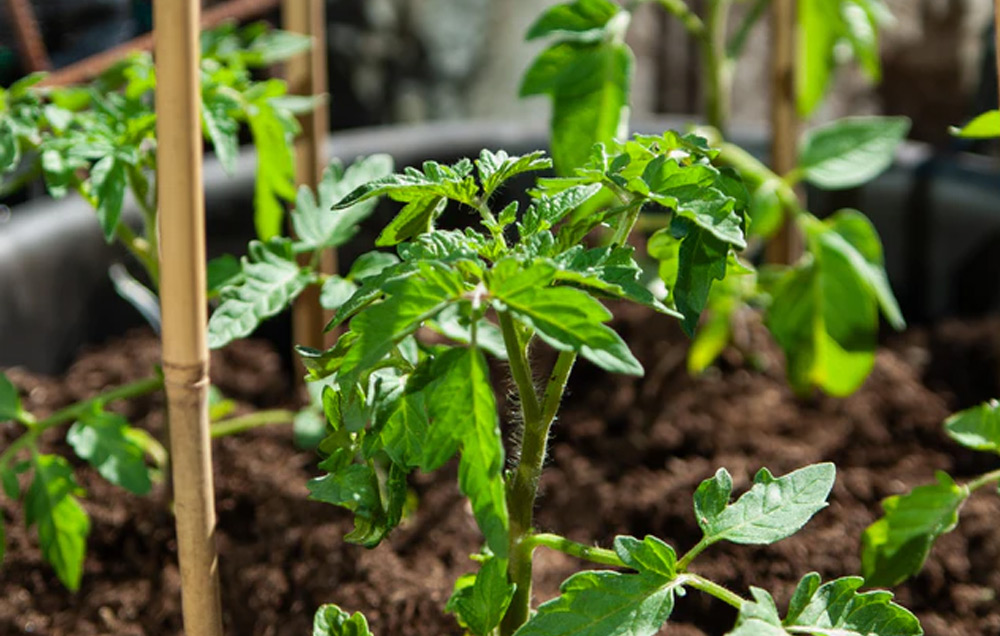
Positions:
(538, 413)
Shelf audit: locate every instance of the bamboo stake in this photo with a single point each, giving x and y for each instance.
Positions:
(306, 75)
(184, 307)
(785, 246)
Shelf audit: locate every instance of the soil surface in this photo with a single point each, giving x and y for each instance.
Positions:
(626, 457)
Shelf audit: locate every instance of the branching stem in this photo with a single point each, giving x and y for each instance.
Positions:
(559, 543)
(242, 423)
(991, 477)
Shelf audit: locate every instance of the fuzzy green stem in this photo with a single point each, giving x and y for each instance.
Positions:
(714, 589)
(685, 560)
(242, 423)
(559, 543)
(74, 411)
(984, 480)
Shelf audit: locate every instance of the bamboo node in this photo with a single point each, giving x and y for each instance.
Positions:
(178, 374)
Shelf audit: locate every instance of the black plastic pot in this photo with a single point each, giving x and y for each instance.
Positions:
(939, 218)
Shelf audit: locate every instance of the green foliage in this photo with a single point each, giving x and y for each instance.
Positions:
(824, 310)
(587, 72)
(270, 280)
(985, 126)
(330, 620)
(824, 27)
(50, 504)
(113, 447)
(774, 508)
(851, 151)
(977, 428)
(10, 401)
(480, 601)
(896, 546)
(832, 608)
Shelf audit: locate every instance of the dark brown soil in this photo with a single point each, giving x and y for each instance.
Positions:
(626, 456)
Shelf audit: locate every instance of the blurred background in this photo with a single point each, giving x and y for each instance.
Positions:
(417, 60)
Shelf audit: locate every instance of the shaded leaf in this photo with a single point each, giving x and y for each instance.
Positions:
(481, 603)
(849, 152)
(895, 547)
(111, 446)
(978, 427)
(108, 182)
(63, 525)
(10, 400)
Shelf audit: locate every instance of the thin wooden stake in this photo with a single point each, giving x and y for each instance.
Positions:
(785, 246)
(29, 37)
(184, 307)
(306, 75)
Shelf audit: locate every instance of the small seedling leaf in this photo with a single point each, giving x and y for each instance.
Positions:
(650, 556)
(63, 525)
(107, 442)
(497, 167)
(773, 509)
(580, 18)
(835, 608)
(330, 620)
(895, 547)
(978, 427)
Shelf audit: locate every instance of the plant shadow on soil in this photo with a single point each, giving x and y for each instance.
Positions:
(626, 456)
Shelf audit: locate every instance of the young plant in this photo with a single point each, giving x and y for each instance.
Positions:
(397, 402)
(895, 547)
(100, 140)
(587, 72)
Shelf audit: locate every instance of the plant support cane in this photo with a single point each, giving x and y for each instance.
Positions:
(307, 76)
(784, 248)
(184, 307)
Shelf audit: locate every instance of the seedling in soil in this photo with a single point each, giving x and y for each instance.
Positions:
(397, 402)
(895, 547)
(823, 310)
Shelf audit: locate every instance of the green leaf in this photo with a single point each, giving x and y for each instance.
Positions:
(409, 302)
(649, 556)
(63, 525)
(701, 259)
(977, 428)
(832, 609)
(417, 217)
(354, 487)
(10, 401)
(825, 318)
(108, 182)
(589, 84)
(984, 126)
(724, 300)
(10, 151)
(580, 18)
(467, 397)
(335, 292)
(272, 47)
(547, 210)
(497, 168)
(110, 445)
(271, 281)
(774, 508)
(405, 433)
(370, 264)
(605, 604)
(10, 485)
(222, 271)
(316, 225)
(420, 187)
(851, 151)
(455, 323)
(854, 237)
(221, 126)
(272, 133)
(895, 547)
(330, 620)
(609, 270)
(480, 605)
(567, 319)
